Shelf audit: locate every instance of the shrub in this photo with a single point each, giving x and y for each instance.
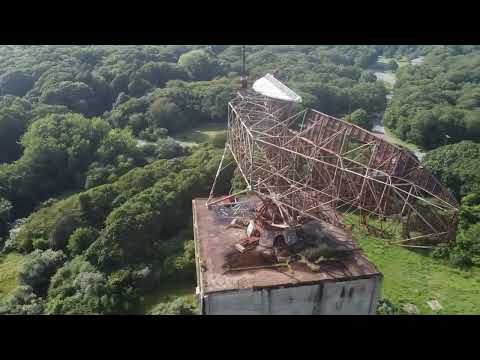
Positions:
(81, 239)
(386, 307)
(360, 117)
(149, 150)
(218, 140)
(467, 248)
(460, 258)
(153, 134)
(23, 302)
(96, 175)
(41, 244)
(5, 208)
(168, 149)
(39, 268)
(48, 202)
(392, 65)
(78, 288)
(62, 230)
(11, 243)
(441, 252)
(180, 266)
(124, 288)
(184, 305)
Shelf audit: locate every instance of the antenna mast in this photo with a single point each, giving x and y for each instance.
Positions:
(243, 77)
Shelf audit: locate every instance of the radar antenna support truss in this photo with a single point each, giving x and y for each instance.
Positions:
(313, 166)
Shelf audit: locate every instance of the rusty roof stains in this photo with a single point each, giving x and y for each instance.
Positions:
(215, 244)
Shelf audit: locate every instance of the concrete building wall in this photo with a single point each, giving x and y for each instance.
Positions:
(353, 297)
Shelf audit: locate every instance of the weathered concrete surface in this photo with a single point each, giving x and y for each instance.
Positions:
(356, 297)
(213, 241)
(346, 286)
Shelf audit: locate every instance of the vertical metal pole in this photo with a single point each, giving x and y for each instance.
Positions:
(243, 77)
(243, 54)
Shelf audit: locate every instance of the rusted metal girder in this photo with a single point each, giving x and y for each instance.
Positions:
(313, 165)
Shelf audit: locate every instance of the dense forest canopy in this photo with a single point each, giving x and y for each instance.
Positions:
(438, 102)
(96, 191)
(73, 124)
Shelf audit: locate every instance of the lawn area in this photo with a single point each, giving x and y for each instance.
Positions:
(388, 77)
(200, 134)
(391, 137)
(411, 277)
(166, 293)
(10, 265)
(400, 61)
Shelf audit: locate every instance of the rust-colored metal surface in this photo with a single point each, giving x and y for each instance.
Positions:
(215, 242)
(312, 165)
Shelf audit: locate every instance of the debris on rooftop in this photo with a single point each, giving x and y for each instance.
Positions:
(260, 242)
(258, 274)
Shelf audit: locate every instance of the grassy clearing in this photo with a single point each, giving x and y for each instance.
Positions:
(198, 135)
(388, 77)
(166, 293)
(400, 61)
(395, 140)
(10, 265)
(411, 277)
(383, 60)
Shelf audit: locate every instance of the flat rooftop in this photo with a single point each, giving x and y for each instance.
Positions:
(215, 241)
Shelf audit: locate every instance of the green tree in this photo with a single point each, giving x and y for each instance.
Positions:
(138, 87)
(39, 268)
(360, 117)
(435, 103)
(73, 94)
(168, 115)
(15, 115)
(116, 143)
(5, 209)
(120, 84)
(15, 82)
(467, 248)
(168, 149)
(78, 288)
(470, 210)
(158, 73)
(181, 306)
(392, 65)
(199, 64)
(23, 302)
(456, 166)
(81, 239)
(368, 76)
(121, 115)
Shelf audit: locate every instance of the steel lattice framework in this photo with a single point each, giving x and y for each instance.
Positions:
(313, 166)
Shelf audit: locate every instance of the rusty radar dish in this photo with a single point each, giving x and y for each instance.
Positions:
(307, 165)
